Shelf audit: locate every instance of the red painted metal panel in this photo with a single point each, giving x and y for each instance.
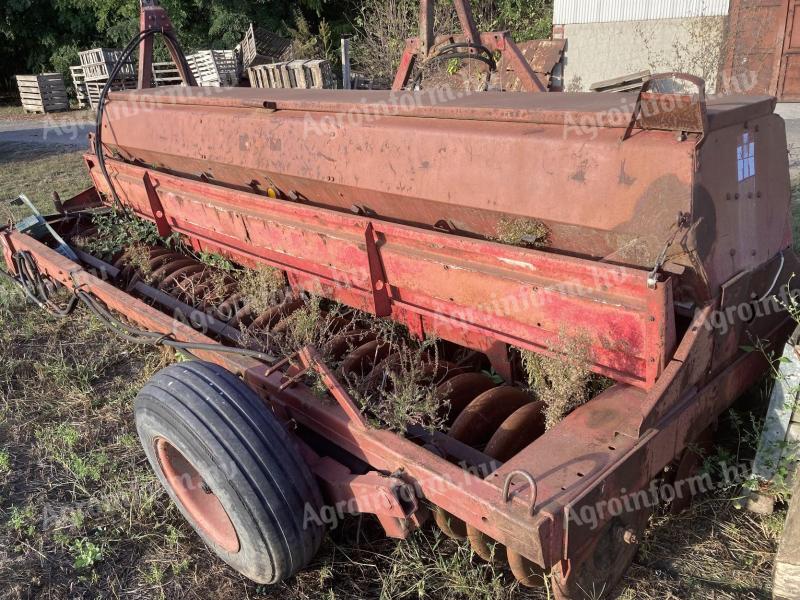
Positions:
(472, 161)
(471, 292)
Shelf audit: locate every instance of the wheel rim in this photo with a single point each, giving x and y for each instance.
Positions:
(195, 497)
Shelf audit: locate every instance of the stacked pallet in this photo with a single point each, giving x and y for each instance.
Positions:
(301, 74)
(79, 84)
(98, 64)
(43, 93)
(166, 73)
(214, 68)
(261, 47)
(94, 88)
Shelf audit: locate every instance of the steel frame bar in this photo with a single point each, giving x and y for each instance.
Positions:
(153, 16)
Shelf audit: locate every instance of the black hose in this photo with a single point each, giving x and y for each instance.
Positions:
(32, 284)
(101, 103)
(144, 337)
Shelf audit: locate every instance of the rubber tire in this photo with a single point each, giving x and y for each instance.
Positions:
(244, 454)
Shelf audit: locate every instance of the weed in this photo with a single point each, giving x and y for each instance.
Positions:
(117, 230)
(523, 232)
(310, 325)
(5, 462)
(402, 390)
(58, 443)
(22, 520)
(562, 381)
(138, 258)
(216, 261)
(155, 574)
(262, 288)
(181, 566)
(212, 289)
(85, 553)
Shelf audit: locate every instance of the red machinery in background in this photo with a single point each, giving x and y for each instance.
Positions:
(470, 44)
(663, 215)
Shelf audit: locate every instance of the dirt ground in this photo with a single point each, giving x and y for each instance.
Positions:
(81, 515)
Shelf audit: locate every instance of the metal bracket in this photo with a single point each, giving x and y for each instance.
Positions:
(381, 302)
(153, 16)
(164, 228)
(684, 113)
(311, 359)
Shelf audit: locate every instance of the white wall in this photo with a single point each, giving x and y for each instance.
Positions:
(600, 51)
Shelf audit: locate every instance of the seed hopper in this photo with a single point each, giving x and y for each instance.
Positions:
(663, 236)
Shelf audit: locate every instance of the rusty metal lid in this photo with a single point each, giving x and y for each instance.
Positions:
(567, 109)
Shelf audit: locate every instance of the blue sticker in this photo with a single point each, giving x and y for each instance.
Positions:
(746, 158)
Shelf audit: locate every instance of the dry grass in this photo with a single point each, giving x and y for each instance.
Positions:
(564, 380)
(262, 288)
(17, 113)
(138, 258)
(523, 232)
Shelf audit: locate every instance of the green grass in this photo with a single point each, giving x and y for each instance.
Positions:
(37, 170)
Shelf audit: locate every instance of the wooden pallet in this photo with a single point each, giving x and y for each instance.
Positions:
(214, 68)
(300, 74)
(99, 62)
(261, 47)
(43, 93)
(166, 73)
(94, 88)
(321, 74)
(79, 84)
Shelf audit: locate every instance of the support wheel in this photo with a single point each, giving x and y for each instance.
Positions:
(231, 468)
(608, 557)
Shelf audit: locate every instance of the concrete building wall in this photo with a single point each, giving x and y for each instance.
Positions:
(600, 51)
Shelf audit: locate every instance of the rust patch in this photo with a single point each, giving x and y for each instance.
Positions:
(624, 178)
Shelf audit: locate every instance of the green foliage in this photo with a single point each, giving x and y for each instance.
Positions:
(215, 260)
(525, 19)
(117, 230)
